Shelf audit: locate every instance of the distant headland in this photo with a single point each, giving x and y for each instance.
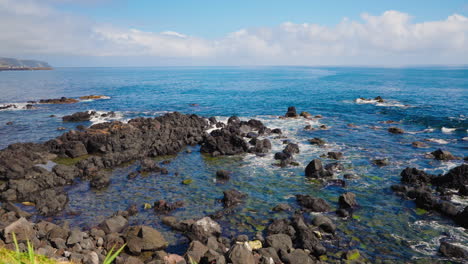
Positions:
(10, 64)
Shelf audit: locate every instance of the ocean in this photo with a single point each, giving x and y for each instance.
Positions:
(429, 103)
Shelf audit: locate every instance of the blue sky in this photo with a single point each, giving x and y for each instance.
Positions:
(190, 32)
(212, 19)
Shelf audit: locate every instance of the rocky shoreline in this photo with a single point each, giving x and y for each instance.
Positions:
(93, 152)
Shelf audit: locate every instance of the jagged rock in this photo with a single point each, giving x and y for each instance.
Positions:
(279, 242)
(241, 254)
(415, 176)
(347, 200)
(196, 251)
(315, 170)
(79, 116)
(312, 203)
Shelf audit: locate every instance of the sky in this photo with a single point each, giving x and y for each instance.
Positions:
(256, 32)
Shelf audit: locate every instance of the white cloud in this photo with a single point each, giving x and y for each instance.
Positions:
(390, 38)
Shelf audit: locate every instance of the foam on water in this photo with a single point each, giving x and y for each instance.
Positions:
(386, 103)
(98, 117)
(447, 130)
(437, 140)
(14, 106)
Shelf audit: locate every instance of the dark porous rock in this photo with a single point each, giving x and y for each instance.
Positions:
(291, 112)
(324, 223)
(233, 120)
(317, 141)
(276, 131)
(114, 224)
(285, 158)
(298, 256)
(204, 228)
(443, 155)
(305, 237)
(233, 197)
(396, 130)
(463, 190)
(240, 253)
(347, 200)
(101, 180)
(454, 178)
(142, 238)
(223, 175)
(280, 226)
(415, 176)
(75, 149)
(22, 229)
(149, 165)
(61, 100)
(446, 208)
(164, 207)
(225, 141)
(334, 167)
(452, 250)
(196, 251)
(279, 242)
(282, 207)
(312, 203)
(269, 255)
(462, 218)
(49, 202)
(335, 155)
(79, 116)
(292, 148)
(419, 144)
(261, 146)
(381, 162)
(315, 170)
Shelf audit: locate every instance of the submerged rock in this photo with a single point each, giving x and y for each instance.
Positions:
(233, 197)
(396, 130)
(443, 155)
(347, 200)
(317, 141)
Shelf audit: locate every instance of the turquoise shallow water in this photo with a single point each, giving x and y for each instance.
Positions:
(427, 103)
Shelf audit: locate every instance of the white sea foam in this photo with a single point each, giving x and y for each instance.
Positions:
(99, 118)
(447, 130)
(465, 139)
(386, 103)
(437, 140)
(14, 106)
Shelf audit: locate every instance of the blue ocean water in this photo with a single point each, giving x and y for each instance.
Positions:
(429, 103)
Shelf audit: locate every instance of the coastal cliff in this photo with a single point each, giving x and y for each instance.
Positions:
(10, 64)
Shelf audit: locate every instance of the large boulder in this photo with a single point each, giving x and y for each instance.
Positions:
(142, 238)
(279, 242)
(455, 178)
(347, 200)
(312, 203)
(204, 228)
(291, 112)
(241, 253)
(22, 229)
(315, 170)
(115, 224)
